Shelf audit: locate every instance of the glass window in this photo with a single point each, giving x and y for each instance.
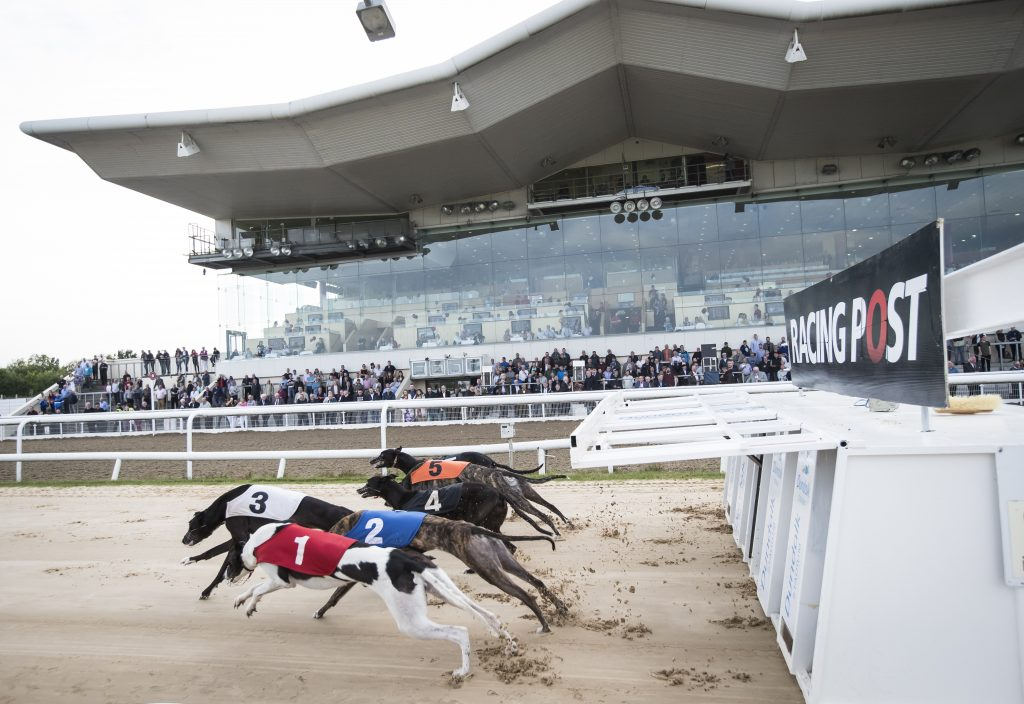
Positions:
(547, 277)
(1004, 193)
(581, 234)
(542, 241)
(867, 211)
(782, 261)
(659, 267)
(964, 201)
(408, 262)
(736, 226)
(824, 255)
(378, 291)
(660, 232)
(862, 243)
(697, 223)
(473, 250)
(374, 266)
(775, 219)
(508, 245)
(822, 215)
(917, 205)
(513, 281)
(585, 272)
(476, 281)
(409, 289)
(1003, 232)
(699, 268)
(964, 242)
(741, 265)
(616, 236)
(441, 255)
(441, 288)
(905, 230)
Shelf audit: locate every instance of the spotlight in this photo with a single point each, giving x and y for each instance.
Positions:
(1019, 139)
(953, 156)
(972, 154)
(401, 239)
(465, 209)
(286, 250)
(615, 207)
(829, 170)
(795, 53)
(493, 205)
(304, 271)
(381, 242)
(655, 203)
(631, 217)
(376, 20)
(187, 146)
(275, 249)
(620, 218)
(908, 162)
(642, 205)
(459, 101)
(480, 207)
(508, 205)
(629, 206)
(350, 244)
(447, 210)
(227, 253)
(247, 251)
(363, 244)
(931, 160)
(645, 216)
(657, 215)
(237, 253)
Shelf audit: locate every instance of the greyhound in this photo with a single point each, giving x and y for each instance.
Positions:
(516, 489)
(484, 552)
(487, 461)
(290, 554)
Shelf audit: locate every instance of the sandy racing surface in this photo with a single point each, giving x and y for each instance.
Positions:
(95, 607)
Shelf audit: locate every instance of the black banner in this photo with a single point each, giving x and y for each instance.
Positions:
(875, 329)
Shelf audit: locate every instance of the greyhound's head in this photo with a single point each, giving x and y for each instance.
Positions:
(375, 485)
(199, 528)
(386, 458)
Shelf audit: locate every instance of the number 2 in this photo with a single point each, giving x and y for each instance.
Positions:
(301, 550)
(435, 468)
(376, 525)
(433, 502)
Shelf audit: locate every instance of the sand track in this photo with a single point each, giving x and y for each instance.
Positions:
(94, 607)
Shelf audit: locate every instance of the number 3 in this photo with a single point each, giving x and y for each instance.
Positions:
(260, 499)
(301, 550)
(433, 502)
(376, 525)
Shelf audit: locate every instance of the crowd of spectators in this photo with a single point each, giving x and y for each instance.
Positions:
(974, 353)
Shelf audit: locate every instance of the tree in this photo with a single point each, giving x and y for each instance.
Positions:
(27, 377)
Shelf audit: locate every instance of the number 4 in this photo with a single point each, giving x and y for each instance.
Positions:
(301, 550)
(433, 502)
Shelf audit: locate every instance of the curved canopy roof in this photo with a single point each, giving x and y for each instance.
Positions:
(578, 77)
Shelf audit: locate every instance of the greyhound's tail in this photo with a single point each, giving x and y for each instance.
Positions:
(477, 530)
(518, 476)
(521, 471)
(444, 587)
(544, 480)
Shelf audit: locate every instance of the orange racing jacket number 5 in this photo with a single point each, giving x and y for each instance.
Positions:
(432, 470)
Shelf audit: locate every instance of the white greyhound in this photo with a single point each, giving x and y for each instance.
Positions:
(291, 554)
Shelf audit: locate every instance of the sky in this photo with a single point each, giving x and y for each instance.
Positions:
(88, 267)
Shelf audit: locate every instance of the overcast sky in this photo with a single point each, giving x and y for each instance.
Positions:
(88, 267)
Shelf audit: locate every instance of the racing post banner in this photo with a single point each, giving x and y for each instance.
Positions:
(875, 329)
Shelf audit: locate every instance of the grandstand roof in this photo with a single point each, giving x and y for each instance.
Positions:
(574, 79)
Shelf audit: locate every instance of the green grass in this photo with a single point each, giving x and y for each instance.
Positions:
(655, 473)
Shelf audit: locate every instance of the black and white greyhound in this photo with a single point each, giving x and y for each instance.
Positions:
(399, 578)
(516, 489)
(246, 508)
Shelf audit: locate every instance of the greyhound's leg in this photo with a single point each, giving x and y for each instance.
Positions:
(212, 552)
(410, 614)
(221, 576)
(335, 598)
(481, 556)
(531, 494)
(519, 507)
(512, 566)
(261, 590)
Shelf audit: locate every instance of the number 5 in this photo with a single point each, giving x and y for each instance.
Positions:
(433, 502)
(435, 468)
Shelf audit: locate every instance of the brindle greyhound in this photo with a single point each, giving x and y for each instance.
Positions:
(485, 461)
(252, 506)
(516, 489)
(483, 551)
(479, 504)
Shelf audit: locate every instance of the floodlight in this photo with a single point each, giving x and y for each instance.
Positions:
(1019, 139)
(447, 210)
(466, 209)
(829, 169)
(629, 206)
(657, 215)
(227, 253)
(508, 205)
(972, 154)
(376, 21)
(645, 216)
(247, 251)
(275, 249)
(953, 156)
(655, 203)
(631, 217)
(480, 207)
(236, 253)
(350, 244)
(615, 207)
(493, 205)
(400, 239)
(186, 145)
(619, 218)
(459, 101)
(931, 160)
(908, 162)
(642, 205)
(286, 250)
(363, 244)
(381, 242)
(795, 53)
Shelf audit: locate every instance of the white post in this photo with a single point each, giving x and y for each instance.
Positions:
(280, 468)
(542, 460)
(117, 470)
(510, 453)
(611, 468)
(152, 405)
(925, 420)
(17, 465)
(384, 427)
(188, 443)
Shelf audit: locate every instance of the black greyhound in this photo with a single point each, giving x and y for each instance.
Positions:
(486, 553)
(472, 502)
(516, 489)
(244, 509)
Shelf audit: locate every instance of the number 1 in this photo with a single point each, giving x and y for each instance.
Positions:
(300, 551)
